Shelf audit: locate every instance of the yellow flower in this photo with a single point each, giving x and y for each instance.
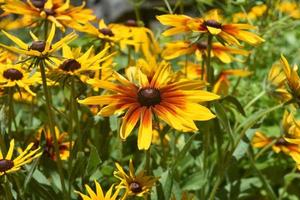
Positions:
(292, 128)
(76, 63)
(6, 56)
(140, 37)
(23, 97)
(12, 75)
(253, 14)
(135, 184)
(179, 48)
(276, 82)
(105, 32)
(60, 13)
(64, 146)
(290, 8)
(212, 24)
(8, 165)
(9, 23)
(173, 102)
(38, 48)
(99, 195)
(292, 77)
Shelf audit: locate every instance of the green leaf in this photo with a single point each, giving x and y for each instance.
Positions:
(236, 103)
(168, 184)
(94, 161)
(194, 182)
(30, 174)
(243, 145)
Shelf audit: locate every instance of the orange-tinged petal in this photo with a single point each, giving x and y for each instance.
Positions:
(145, 130)
(130, 120)
(97, 100)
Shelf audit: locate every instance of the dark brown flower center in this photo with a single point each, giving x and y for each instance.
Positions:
(281, 142)
(49, 11)
(131, 22)
(70, 65)
(106, 31)
(135, 187)
(13, 74)
(6, 165)
(202, 45)
(149, 97)
(38, 46)
(212, 23)
(38, 3)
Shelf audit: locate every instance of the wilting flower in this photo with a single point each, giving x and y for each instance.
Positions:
(99, 195)
(212, 24)
(292, 77)
(76, 63)
(173, 102)
(64, 146)
(135, 184)
(276, 83)
(8, 165)
(222, 84)
(138, 36)
(60, 13)
(176, 49)
(12, 75)
(287, 142)
(290, 8)
(38, 48)
(253, 14)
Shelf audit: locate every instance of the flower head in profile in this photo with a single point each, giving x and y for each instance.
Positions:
(13, 75)
(134, 184)
(290, 8)
(99, 194)
(141, 99)
(64, 145)
(59, 12)
(254, 13)
(276, 83)
(8, 164)
(292, 77)
(213, 24)
(223, 53)
(38, 48)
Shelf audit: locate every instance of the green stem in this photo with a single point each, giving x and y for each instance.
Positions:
(10, 110)
(209, 69)
(47, 94)
(168, 6)
(137, 13)
(148, 161)
(286, 185)
(257, 97)
(8, 193)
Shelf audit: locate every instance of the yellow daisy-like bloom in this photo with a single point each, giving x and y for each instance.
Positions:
(292, 77)
(140, 37)
(12, 75)
(212, 24)
(76, 63)
(8, 165)
(176, 49)
(135, 184)
(99, 195)
(104, 32)
(64, 145)
(276, 83)
(292, 127)
(23, 97)
(290, 8)
(253, 14)
(38, 48)
(60, 13)
(173, 102)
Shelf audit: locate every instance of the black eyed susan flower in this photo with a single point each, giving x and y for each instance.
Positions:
(142, 99)
(76, 63)
(8, 165)
(59, 12)
(99, 194)
(290, 8)
(12, 75)
(134, 184)
(179, 48)
(38, 48)
(212, 24)
(292, 77)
